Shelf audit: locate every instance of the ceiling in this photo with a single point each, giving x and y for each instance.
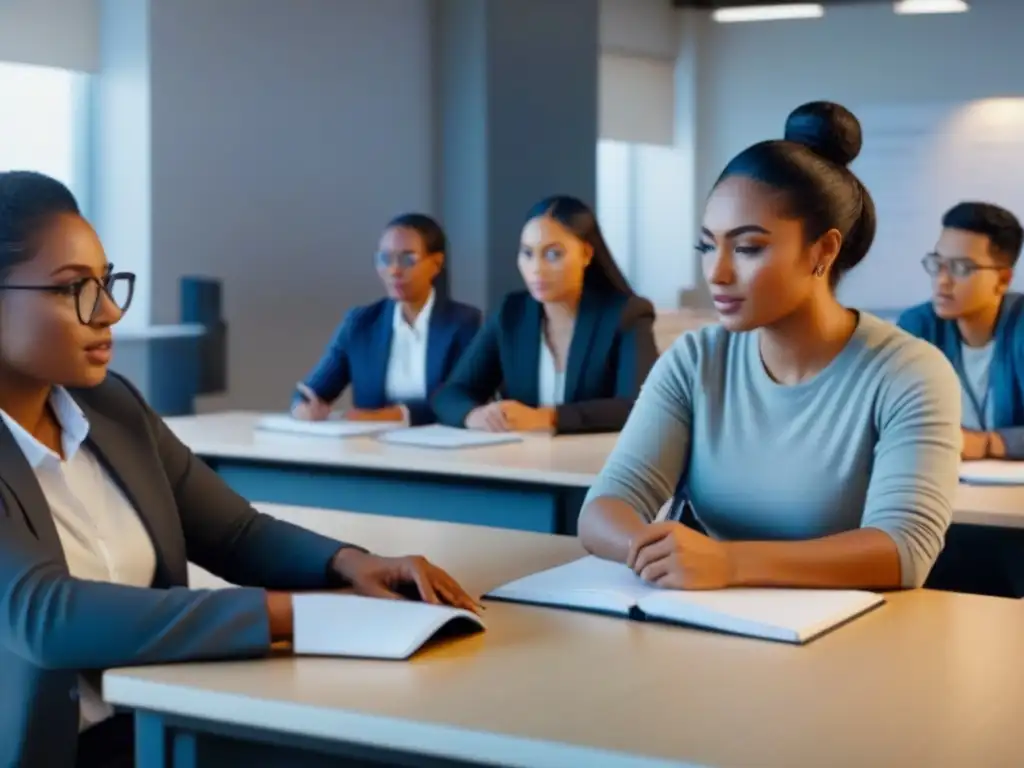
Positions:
(709, 4)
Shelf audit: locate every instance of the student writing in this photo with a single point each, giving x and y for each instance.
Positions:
(568, 354)
(396, 352)
(818, 445)
(101, 507)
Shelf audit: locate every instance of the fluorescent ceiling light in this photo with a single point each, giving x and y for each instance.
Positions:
(769, 12)
(930, 6)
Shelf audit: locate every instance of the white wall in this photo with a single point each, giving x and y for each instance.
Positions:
(52, 33)
(751, 75)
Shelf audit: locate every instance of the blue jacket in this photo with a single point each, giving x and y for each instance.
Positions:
(358, 354)
(54, 627)
(1006, 378)
(611, 353)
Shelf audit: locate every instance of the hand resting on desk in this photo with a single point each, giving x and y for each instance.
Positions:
(510, 416)
(391, 578)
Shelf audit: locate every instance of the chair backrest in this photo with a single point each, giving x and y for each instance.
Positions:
(201, 303)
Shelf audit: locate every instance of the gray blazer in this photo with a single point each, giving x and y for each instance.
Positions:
(54, 627)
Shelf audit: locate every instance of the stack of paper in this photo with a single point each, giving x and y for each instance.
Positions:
(992, 472)
(787, 615)
(329, 428)
(438, 436)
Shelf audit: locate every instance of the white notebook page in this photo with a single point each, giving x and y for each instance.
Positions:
(440, 436)
(349, 625)
(330, 428)
(992, 472)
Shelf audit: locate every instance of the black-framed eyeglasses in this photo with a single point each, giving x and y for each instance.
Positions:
(88, 292)
(401, 259)
(959, 267)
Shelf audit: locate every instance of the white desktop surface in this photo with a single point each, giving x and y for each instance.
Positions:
(931, 679)
(571, 461)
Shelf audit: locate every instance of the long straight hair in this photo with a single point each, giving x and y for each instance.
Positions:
(602, 274)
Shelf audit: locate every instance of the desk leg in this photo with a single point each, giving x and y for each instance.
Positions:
(167, 741)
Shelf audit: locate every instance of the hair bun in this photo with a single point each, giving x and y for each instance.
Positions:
(829, 129)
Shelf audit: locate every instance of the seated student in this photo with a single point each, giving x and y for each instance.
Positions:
(979, 324)
(397, 351)
(818, 446)
(570, 353)
(101, 507)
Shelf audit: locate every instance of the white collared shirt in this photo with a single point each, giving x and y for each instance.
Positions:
(101, 533)
(407, 361)
(551, 381)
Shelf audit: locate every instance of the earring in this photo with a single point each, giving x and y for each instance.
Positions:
(820, 270)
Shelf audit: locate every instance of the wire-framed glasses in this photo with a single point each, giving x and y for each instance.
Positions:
(959, 268)
(88, 292)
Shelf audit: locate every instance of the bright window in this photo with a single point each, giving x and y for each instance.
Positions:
(43, 123)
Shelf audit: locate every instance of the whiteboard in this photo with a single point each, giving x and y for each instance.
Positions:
(917, 162)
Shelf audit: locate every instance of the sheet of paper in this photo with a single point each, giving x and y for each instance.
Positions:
(589, 582)
(789, 615)
(329, 428)
(349, 625)
(992, 472)
(439, 436)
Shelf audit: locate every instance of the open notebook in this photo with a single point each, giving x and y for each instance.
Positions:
(439, 436)
(364, 627)
(330, 428)
(992, 472)
(787, 615)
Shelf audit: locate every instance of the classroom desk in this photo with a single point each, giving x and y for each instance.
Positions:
(536, 485)
(990, 506)
(930, 679)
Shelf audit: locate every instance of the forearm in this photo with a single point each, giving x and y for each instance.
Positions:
(866, 558)
(605, 415)
(1007, 443)
(281, 616)
(607, 527)
(59, 622)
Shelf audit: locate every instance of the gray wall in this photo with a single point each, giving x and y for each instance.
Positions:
(284, 135)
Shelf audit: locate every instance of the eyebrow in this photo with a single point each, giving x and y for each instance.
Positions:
(78, 269)
(746, 229)
(542, 246)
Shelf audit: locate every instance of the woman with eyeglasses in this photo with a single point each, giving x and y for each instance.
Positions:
(101, 507)
(567, 355)
(396, 352)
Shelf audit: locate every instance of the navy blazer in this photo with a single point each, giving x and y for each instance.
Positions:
(611, 353)
(1006, 378)
(54, 627)
(358, 354)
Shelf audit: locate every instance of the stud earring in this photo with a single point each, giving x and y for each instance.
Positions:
(820, 270)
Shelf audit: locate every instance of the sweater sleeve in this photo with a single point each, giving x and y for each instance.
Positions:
(653, 448)
(917, 459)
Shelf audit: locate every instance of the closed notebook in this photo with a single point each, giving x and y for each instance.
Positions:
(329, 428)
(440, 436)
(786, 615)
(992, 472)
(364, 627)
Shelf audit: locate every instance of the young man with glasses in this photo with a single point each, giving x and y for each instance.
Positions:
(978, 323)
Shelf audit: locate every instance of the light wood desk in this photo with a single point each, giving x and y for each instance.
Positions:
(930, 679)
(990, 506)
(536, 485)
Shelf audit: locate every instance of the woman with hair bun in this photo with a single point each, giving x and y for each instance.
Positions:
(818, 446)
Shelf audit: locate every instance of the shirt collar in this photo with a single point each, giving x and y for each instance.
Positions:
(73, 424)
(419, 327)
